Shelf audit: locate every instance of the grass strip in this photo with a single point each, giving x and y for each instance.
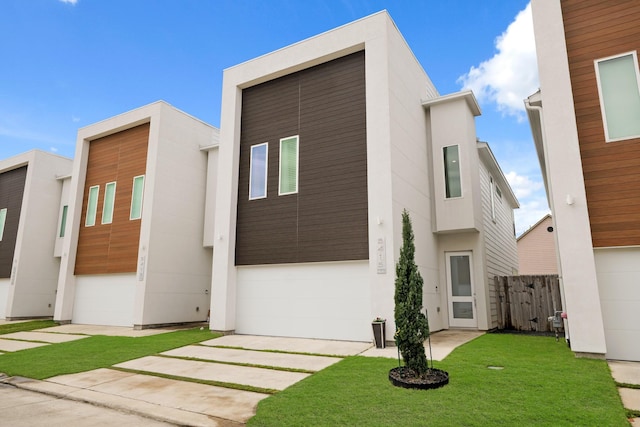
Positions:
(632, 413)
(200, 381)
(249, 365)
(542, 384)
(9, 328)
(627, 385)
(94, 352)
(230, 347)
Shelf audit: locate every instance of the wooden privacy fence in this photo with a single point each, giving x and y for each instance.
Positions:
(526, 302)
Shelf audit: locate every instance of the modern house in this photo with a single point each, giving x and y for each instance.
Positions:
(586, 125)
(31, 225)
(134, 253)
(537, 249)
(323, 144)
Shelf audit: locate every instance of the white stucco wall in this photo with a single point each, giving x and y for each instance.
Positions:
(316, 300)
(176, 282)
(411, 174)
(35, 271)
(4, 291)
(64, 201)
(210, 202)
(619, 284)
(566, 183)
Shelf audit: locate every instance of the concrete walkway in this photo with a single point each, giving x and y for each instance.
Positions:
(627, 373)
(263, 364)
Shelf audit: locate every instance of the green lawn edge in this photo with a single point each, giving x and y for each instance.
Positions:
(542, 383)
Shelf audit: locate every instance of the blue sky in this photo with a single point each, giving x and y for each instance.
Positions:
(70, 63)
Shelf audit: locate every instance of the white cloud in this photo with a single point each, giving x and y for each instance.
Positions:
(53, 149)
(512, 73)
(533, 200)
(523, 186)
(69, 1)
(75, 119)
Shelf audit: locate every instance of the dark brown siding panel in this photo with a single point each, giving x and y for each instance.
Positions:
(11, 193)
(113, 248)
(327, 219)
(596, 29)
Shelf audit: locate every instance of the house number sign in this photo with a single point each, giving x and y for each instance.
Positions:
(381, 257)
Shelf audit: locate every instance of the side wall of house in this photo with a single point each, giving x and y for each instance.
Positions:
(36, 269)
(537, 250)
(595, 30)
(566, 182)
(501, 252)
(411, 173)
(174, 269)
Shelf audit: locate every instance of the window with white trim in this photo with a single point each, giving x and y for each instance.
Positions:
(493, 198)
(109, 198)
(453, 183)
(63, 221)
(288, 182)
(92, 206)
(258, 171)
(136, 197)
(619, 90)
(3, 220)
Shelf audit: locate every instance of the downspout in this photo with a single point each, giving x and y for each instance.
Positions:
(538, 109)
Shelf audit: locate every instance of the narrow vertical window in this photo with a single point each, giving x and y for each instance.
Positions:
(92, 206)
(618, 79)
(63, 221)
(258, 171)
(136, 197)
(109, 198)
(3, 219)
(453, 185)
(288, 183)
(492, 186)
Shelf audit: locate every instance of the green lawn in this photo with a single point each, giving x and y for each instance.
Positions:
(94, 352)
(541, 384)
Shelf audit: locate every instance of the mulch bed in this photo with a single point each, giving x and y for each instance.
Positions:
(407, 378)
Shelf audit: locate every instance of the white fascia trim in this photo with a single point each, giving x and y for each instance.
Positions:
(467, 95)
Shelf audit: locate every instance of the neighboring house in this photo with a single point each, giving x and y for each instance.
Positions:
(134, 252)
(31, 223)
(537, 249)
(586, 125)
(323, 144)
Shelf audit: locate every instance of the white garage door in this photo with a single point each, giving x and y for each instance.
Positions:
(328, 300)
(105, 299)
(619, 285)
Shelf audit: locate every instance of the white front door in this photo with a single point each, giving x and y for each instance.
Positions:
(461, 292)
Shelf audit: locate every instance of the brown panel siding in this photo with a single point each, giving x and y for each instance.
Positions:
(11, 194)
(597, 29)
(327, 219)
(112, 248)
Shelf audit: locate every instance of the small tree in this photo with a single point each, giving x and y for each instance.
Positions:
(412, 327)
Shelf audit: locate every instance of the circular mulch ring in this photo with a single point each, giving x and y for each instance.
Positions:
(406, 377)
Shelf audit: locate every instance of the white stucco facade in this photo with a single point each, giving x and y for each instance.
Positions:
(172, 281)
(408, 123)
(555, 126)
